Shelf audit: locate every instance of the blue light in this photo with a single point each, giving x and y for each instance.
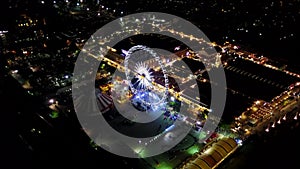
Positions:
(239, 141)
(170, 127)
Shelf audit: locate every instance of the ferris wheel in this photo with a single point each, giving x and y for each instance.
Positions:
(149, 86)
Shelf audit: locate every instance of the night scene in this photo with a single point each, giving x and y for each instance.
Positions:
(150, 84)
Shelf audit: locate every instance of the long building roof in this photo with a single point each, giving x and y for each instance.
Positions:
(213, 155)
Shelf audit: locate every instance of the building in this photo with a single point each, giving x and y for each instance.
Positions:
(212, 155)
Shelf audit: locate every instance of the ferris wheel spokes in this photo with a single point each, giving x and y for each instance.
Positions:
(141, 78)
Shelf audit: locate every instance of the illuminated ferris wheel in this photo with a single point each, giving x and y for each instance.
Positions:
(143, 81)
(143, 78)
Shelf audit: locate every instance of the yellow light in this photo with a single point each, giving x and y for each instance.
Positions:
(254, 109)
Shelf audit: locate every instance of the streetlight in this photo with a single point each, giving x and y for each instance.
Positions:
(284, 118)
(267, 130)
(273, 125)
(295, 118)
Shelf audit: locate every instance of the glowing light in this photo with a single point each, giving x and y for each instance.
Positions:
(15, 71)
(163, 165)
(267, 130)
(144, 75)
(209, 151)
(192, 150)
(254, 109)
(125, 52)
(169, 128)
(51, 101)
(273, 125)
(284, 118)
(239, 142)
(177, 48)
(187, 53)
(54, 114)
